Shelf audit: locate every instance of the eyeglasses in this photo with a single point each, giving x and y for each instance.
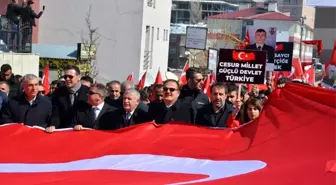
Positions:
(169, 89)
(68, 76)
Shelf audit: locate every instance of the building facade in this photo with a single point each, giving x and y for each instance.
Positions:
(223, 27)
(133, 34)
(325, 30)
(192, 12)
(297, 9)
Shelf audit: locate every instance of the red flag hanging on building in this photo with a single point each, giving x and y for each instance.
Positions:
(142, 81)
(183, 78)
(318, 43)
(45, 80)
(281, 141)
(158, 80)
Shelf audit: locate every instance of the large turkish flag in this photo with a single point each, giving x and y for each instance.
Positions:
(291, 143)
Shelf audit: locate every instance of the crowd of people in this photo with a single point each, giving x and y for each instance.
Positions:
(78, 102)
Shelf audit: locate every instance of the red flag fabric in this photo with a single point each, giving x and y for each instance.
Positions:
(158, 80)
(292, 142)
(206, 86)
(142, 81)
(318, 43)
(247, 38)
(130, 78)
(183, 78)
(309, 74)
(45, 80)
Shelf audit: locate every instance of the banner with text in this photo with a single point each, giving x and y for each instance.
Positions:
(241, 66)
(283, 56)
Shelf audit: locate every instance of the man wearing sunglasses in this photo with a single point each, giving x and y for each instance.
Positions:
(95, 113)
(191, 93)
(171, 108)
(65, 98)
(29, 108)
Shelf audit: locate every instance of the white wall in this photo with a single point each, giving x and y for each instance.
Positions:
(120, 27)
(157, 16)
(21, 63)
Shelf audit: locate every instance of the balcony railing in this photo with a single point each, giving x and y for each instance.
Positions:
(15, 38)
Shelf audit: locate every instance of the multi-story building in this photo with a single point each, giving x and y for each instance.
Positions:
(133, 34)
(297, 9)
(325, 29)
(222, 26)
(192, 12)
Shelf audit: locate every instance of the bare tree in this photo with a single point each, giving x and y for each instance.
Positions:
(90, 45)
(195, 10)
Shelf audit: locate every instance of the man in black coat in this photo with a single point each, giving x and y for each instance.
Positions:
(129, 115)
(171, 108)
(216, 113)
(13, 14)
(66, 98)
(29, 108)
(96, 112)
(191, 94)
(114, 98)
(28, 19)
(7, 75)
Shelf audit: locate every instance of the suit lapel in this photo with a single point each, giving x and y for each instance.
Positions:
(89, 113)
(104, 109)
(133, 118)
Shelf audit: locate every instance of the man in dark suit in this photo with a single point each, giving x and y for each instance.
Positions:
(130, 114)
(96, 112)
(29, 108)
(66, 98)
(260, 38)
(216, 113)
(171, 108)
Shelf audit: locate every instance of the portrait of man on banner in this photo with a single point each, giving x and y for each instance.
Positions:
(263, 39)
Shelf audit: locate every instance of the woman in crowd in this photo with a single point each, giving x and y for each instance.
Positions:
(251, 110)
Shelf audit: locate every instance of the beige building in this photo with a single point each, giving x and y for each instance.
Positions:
(297, 9)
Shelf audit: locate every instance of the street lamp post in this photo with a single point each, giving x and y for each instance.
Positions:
(302, 19)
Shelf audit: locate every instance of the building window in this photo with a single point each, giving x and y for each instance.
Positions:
(286, 1)
(164, 35)
(158, 34)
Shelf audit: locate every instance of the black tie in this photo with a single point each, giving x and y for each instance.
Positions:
(259, 48)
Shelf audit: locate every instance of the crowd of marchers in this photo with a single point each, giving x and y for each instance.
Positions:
(77, 102)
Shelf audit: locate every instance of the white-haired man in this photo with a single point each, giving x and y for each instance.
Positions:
(130, 114)
(29, 108)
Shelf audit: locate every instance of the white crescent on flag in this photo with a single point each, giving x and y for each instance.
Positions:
(145, 163)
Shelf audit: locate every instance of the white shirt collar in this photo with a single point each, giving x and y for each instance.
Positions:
(31, 101)
(131, 112)
(100, 106)
(261, 45)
